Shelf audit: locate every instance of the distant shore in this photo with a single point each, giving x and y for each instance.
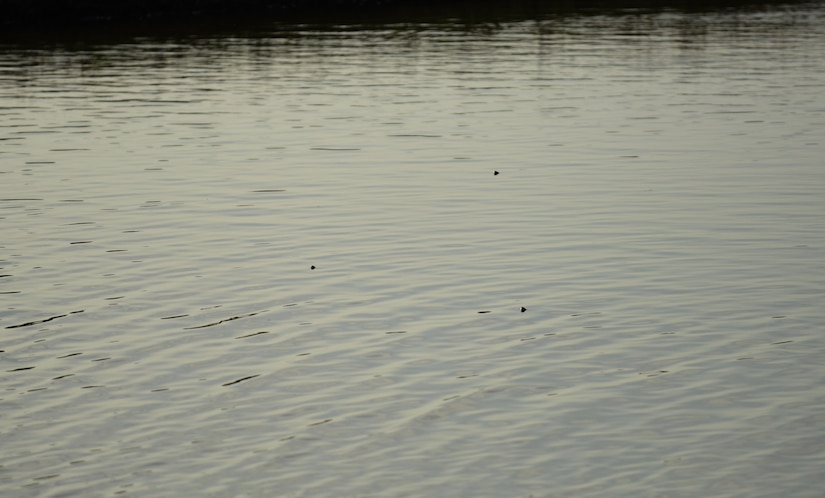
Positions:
(23, 13)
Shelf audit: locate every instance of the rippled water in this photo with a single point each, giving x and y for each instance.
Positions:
(578, 256)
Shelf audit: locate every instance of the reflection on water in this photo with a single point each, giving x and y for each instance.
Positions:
(572, 256)
(75, 20)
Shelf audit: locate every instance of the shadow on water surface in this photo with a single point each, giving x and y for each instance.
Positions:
(90, 48)
(93, 20)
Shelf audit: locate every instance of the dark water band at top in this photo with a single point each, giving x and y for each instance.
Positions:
(50, 13)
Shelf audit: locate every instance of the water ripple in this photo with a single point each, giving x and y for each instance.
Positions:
(547, 258)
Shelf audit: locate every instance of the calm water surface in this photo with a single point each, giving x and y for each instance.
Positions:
(282, 263)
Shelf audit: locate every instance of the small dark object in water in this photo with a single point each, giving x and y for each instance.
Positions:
(312, 267)
(523, 309)
(495, 173)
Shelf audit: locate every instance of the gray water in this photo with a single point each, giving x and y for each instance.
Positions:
(579, 256)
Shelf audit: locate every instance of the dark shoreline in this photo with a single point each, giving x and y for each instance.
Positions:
(90, 13)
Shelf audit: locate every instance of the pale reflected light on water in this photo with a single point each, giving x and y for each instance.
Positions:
(580, 256)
